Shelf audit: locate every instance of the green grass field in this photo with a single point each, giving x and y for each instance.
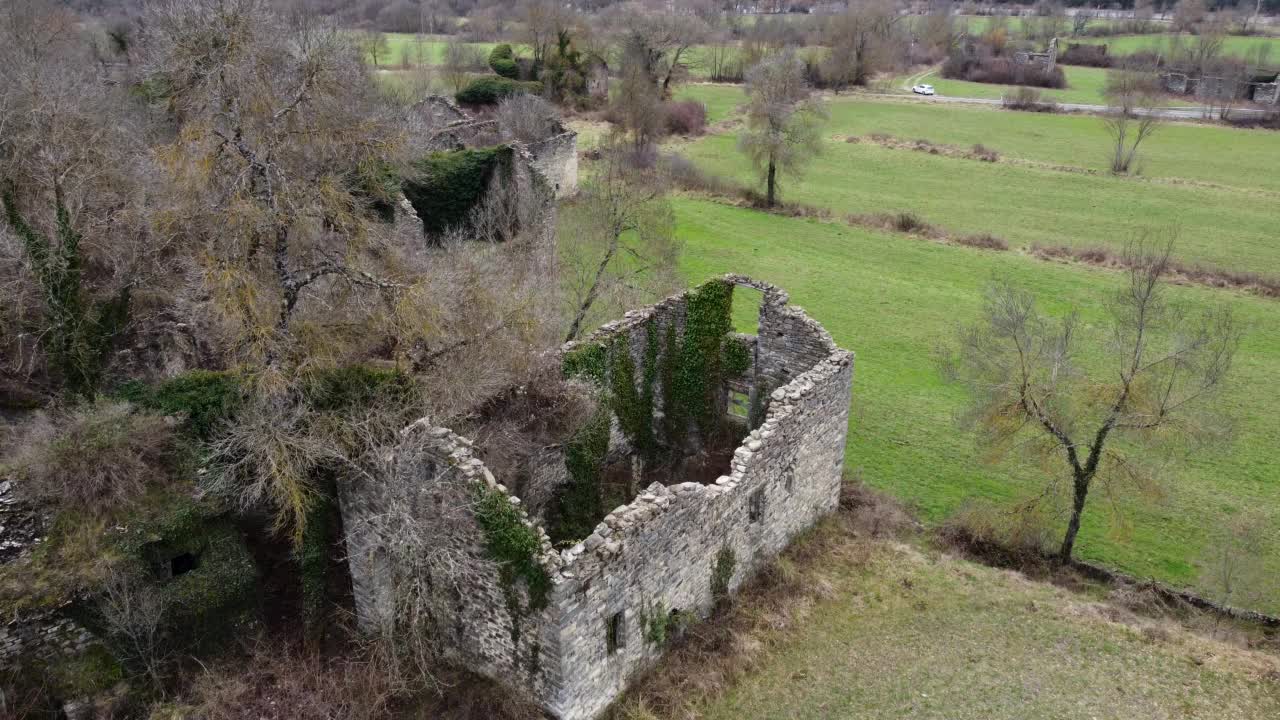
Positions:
(913, 636)
(1084, 86)
(430, 51)
(1025, 205)
(892, 297)
(1237, 45)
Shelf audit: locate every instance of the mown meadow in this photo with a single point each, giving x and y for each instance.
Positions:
(893, 297)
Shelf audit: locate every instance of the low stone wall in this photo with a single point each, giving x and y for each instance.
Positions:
(45, 635)
(427, 488)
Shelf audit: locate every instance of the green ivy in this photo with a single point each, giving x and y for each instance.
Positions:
(378, 186)
(90, 672)
(737, 357)
(675, 420)
(722, 572)
(208, 399)
(634, 408)
(491, 89)
(447, 184)
(588, 361)
(513, 545)
(318, 538)
(689, 371)
(353, 387)
(502, 60)
(80, 331)
(707, 322)
(578, 505)
(207, 603)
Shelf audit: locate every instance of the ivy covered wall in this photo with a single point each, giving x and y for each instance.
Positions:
(662, 382)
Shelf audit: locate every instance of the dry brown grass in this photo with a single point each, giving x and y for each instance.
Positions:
(1264, 285)
(718, 651)
(94, 458)
(275, 681)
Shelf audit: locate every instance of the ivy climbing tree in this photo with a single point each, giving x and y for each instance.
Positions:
(78, 330)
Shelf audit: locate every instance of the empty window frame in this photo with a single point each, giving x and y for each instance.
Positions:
(755, 506)
(614, 636)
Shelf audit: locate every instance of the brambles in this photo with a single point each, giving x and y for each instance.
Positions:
(95, 458)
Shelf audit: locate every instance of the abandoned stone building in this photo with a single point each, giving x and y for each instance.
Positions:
(1261, 85)
(567, 574)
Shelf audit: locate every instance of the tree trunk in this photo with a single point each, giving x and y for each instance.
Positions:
(1073, 527)
(592, 292)
(772, 184)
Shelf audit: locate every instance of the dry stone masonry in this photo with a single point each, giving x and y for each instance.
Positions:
(573, 625)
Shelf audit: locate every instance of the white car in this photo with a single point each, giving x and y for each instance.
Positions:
(922, 89)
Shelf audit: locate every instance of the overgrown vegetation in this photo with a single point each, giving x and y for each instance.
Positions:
(514, 545)
(95, 459)
(491, 90)
(447, 185)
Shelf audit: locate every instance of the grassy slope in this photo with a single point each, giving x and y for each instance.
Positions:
(432, 49)
(891, 299)
(919, 637)
(721, 100)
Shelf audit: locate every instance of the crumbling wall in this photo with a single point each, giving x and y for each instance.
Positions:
(414, 545)
(658, 554)
(556, 158)
(614, 599)
(42, 635)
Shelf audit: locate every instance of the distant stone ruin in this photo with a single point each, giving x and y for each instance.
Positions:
(1261, 86)
(575, 620)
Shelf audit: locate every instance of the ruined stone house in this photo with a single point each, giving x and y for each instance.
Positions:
(1261, 86)
(574, 619)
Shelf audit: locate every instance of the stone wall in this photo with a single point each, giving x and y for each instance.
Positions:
(411, 536)
(652, 557)
(44, 635)
(657, 554)
(557, 159)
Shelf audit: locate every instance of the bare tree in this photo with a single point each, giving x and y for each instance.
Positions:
(784, 120)
(374, 44)
(134, 613)
(638, 102)
(619, 241)
(859, 43)
(543, 21)
(73, 235)
(460, 58)
(1187, 14)
(526, 118)
(1249, 18)
(280, 149)
(1081, 19)
(1032, 389)
(1133, 95)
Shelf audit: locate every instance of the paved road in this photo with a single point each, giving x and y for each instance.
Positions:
(1168, 113)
